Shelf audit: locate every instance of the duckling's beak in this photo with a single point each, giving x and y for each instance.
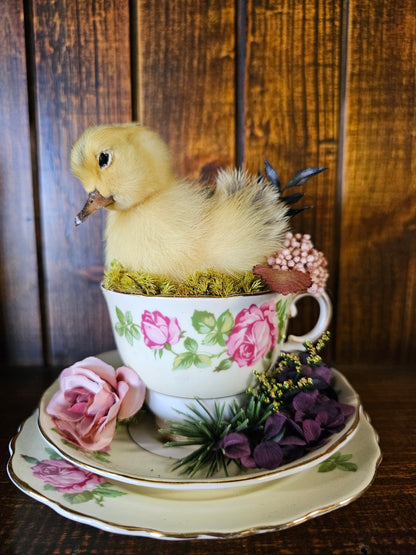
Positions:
(94, 202)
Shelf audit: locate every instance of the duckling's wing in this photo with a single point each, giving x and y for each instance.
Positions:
(247, 221)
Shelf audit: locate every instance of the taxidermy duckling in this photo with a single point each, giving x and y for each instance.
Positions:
(160, 224)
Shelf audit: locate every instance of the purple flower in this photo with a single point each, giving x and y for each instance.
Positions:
(235, 445)
(321, 376)
(304, 404)
(318, 415)
(266, 454)
(305, 421)
(293, 443)
(311, 430)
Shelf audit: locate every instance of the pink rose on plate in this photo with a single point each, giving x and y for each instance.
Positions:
(159, 330)
(66, 477)
(254, 334)
(91, 397)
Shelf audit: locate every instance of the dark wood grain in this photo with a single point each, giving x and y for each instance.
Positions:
(82, 53)
(303, 83)
(292, 107)
(20, 317)
(381, 521)
(377, 294)
(186, 63)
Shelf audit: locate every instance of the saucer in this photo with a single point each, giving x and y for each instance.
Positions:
(144, 461)
(167, 513)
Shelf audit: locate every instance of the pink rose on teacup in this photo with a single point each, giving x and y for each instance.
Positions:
(91, 397)
(159, 330)
(254, 334)
(66, 477)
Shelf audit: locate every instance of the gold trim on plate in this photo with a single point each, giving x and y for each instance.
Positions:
(205, 483)
(110, 526)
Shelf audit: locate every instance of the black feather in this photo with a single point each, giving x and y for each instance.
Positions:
(302, 177)
(293, 211)
(292, 199)
(271, 175)
(298, 179)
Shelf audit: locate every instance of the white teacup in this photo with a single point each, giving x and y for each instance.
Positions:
(204, 347)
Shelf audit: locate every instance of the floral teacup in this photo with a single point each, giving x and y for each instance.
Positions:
(203, 347)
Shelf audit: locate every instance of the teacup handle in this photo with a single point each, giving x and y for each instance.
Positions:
(295, 342)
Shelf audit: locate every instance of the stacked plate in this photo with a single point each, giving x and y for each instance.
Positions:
(131, 489)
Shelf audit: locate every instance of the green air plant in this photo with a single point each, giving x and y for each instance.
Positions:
(207, 429)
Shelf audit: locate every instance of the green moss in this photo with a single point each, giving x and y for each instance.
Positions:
(198, 284)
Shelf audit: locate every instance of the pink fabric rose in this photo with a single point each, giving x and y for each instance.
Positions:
(91, 397)
(254, 334)
(159, 330)
(66, 477)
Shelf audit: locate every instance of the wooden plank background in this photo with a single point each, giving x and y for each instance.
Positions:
(303, 83)
(186, 79)
(378, 246)
(292, 110)
(20, 306)
(82, 76)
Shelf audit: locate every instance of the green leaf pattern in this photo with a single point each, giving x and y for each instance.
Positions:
(212, 331)
(282, 310)
(338, 461)
(126, 327)
(97, 494)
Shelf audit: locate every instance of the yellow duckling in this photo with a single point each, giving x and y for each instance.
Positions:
(160, 224)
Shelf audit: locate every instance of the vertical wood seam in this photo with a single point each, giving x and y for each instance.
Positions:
(138, 99)
(343, 68)
(240, 80)
(31, 96)
(134, 58)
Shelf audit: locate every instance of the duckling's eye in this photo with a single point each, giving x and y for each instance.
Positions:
(104, 159)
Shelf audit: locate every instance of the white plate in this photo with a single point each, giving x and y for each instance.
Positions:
(176, 514)
(129, 462)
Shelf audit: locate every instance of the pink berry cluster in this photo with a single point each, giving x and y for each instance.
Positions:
(300, 254)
